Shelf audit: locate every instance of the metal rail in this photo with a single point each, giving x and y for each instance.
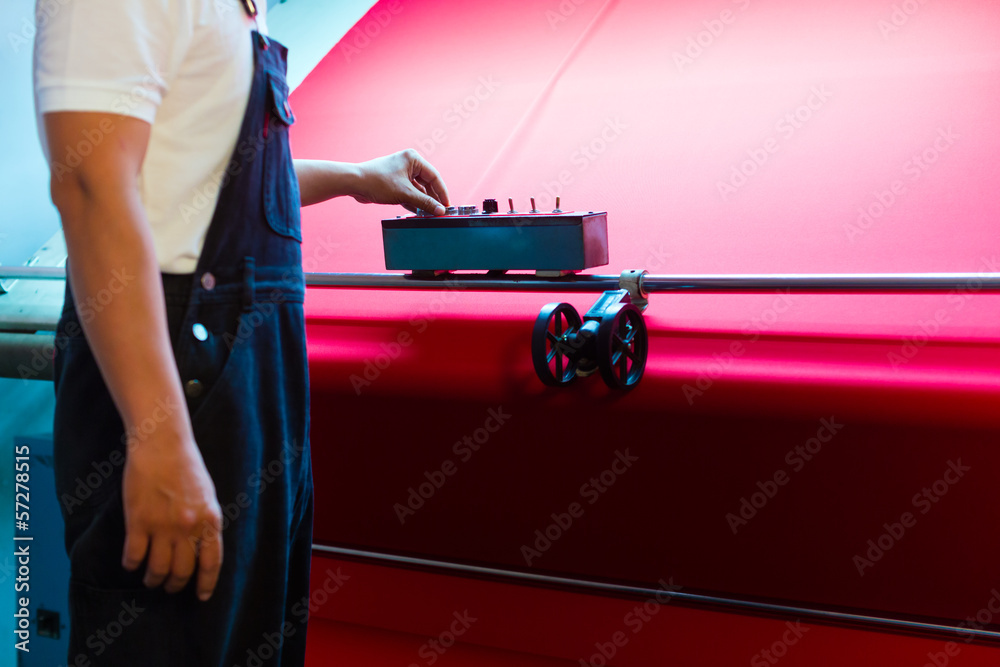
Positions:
(32, 273)
(26, 356)
(522, 282)
(790, 611)
(528, 282)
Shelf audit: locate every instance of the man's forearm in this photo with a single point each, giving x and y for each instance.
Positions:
(119, 296)
(113, 269)
(320, 180)
(403, 178)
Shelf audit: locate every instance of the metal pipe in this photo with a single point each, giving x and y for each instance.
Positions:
(32, 273)
(821, 282)
(527, 282)
(26, 356)
(29, 318)
(792, 611)
(512, 282)
(523, 282)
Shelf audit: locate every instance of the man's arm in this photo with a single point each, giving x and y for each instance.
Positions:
(403, 178)
(168, 496)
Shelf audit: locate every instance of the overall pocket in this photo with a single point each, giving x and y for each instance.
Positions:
(281, 187)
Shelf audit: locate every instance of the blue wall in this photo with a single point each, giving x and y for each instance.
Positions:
(28, 218)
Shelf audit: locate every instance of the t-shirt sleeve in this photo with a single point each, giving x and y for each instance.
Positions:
(109, 56)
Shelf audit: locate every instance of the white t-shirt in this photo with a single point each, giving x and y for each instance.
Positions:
(185, 67)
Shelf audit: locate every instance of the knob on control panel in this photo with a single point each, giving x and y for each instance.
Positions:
(467, 210)
(490, 206)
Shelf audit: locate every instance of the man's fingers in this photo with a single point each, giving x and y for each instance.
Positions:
(136, 544)
(416, 198)
(425, 173)
(438, 195)
(160, 558)
(185, 553)
(209, 564)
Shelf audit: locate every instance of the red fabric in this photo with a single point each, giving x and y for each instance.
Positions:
(914, 378)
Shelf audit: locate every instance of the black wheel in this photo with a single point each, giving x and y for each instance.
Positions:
(622, 345)
(553, 344)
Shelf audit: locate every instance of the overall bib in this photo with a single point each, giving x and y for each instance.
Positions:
(238, 335)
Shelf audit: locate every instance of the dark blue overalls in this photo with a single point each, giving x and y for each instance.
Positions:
(238, 335)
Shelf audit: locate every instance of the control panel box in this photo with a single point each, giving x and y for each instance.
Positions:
(467, 238)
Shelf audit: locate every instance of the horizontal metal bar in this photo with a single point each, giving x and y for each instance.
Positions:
(32, 273)
(476, 282)
(26, 356)
(809, 282)
(787, 611)
(29, 318)
(526, 282)
(514, 282)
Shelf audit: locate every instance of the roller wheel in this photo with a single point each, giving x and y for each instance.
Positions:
(552, 344)
(622, 345)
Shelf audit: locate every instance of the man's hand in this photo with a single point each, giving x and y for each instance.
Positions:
(172, 514)
(167, 493)
(403, 178)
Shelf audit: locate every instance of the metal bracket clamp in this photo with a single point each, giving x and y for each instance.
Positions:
(631, 280)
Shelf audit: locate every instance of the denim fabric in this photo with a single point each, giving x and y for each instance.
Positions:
(237, 328)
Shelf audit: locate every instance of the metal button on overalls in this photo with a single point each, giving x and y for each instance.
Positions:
(199, 331)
